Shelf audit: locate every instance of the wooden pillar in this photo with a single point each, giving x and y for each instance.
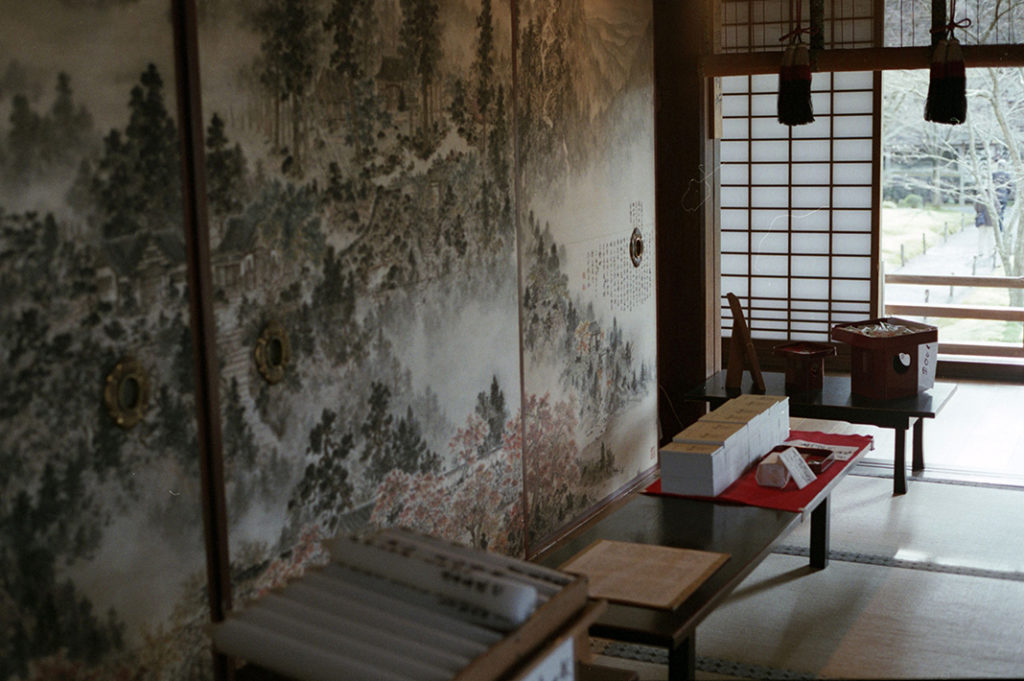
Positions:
(685, 165)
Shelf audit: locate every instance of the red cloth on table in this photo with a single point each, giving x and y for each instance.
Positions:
(789, 498)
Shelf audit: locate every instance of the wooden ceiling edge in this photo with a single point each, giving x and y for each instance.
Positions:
(859, 59)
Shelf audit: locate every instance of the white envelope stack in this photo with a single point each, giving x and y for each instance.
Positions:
(766, 416)
(694, 468)
(712, 453)
(690, 471)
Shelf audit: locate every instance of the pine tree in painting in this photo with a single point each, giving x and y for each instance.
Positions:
(70, 126)
(226, 181)
(289, 32)
(40, 143)
(23, 138)
(325, 490)
(136, 187)
(420, 46)
(352, 59)
(491, 409)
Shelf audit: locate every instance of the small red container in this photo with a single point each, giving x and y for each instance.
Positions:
(805, 364)
(884, 367)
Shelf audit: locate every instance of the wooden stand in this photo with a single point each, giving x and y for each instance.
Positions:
(740, 345)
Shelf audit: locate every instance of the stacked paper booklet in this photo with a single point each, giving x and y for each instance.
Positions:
(711, 454)
(393, 605)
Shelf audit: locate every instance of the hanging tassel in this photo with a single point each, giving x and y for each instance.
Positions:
(947, 80)
(785, 80)
(956, 83)
(795, 86)
(935, 109)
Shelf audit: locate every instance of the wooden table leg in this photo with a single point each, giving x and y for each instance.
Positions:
(819, 536)
(899, 470)
(682, 660)
(917, 463)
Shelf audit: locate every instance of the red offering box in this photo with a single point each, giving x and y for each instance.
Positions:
(884, 362)
(805, 364)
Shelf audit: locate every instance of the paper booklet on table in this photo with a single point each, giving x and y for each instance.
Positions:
(839, 452)
(643, 574)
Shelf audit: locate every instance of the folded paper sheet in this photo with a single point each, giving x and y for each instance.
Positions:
(643, 574)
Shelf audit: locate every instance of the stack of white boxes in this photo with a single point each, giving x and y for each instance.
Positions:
(712, 453)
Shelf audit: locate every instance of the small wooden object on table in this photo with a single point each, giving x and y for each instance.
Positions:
(741, 346)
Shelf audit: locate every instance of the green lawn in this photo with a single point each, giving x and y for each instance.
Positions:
(911, 228)
(974, 330)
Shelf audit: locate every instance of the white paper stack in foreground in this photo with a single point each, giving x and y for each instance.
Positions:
(391, 606)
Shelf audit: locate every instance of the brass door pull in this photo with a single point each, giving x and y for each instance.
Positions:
(272, 353)
(126, 392)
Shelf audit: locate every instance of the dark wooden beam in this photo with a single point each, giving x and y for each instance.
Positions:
(197, 246)
(859, 59)
(684, 202)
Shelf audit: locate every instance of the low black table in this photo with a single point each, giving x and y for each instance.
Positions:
(746, 533)
(835, 402)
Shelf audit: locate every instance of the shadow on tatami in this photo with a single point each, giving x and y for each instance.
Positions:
(924, 585)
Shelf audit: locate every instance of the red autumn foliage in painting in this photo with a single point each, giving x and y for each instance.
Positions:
(551, 466)
(460, 505)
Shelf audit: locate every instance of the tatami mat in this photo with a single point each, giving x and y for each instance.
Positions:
(858, 621)
(973, 527)
(924, 585)
(929, 584)
(864, 621)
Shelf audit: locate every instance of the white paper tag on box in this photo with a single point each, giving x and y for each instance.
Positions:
(797, 467)
(926, 360)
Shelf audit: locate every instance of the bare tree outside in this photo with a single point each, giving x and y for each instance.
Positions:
(965, 177)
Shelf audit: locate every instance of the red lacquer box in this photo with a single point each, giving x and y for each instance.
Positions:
(885, 355)
(805, 364)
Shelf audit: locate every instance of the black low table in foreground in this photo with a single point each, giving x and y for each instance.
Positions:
(746, 533)
(835, 402)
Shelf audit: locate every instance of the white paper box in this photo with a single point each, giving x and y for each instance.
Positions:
(732, 437)
(758, 427)
(777, 408)
(766, 416)
(679, 459)
(695, 468)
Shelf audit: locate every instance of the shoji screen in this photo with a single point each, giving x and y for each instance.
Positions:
(796, 205)
(796, 224)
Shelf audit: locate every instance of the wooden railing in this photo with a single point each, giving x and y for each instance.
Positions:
(985, 312)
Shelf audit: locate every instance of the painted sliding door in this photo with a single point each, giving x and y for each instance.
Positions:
(586, 204)
(359, 164)
(401, 239)
(101, 550)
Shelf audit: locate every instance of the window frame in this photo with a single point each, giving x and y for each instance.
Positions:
(875, 59)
